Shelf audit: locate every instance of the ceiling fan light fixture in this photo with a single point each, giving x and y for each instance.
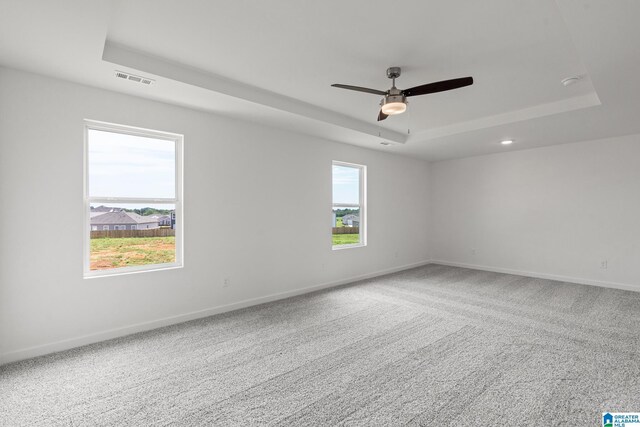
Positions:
(393, 108)
(394, 103)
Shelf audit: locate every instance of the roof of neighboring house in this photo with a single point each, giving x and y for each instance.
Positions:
(161, 216)
(122, 218)
(103, 208)
(92, 214)
(350, 216)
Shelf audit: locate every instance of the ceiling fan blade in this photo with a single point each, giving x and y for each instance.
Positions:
(382, 116)
(438, 86)
(360, 89)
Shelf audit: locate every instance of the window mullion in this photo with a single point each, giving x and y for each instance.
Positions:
(130, 200)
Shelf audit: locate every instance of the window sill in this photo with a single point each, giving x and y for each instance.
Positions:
(130, 270)
(355, 245)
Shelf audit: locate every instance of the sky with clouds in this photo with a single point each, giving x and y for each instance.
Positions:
(346, 186)
(130, 166)
(133, 166)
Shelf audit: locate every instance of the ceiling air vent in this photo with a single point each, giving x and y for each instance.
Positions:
(131, 77)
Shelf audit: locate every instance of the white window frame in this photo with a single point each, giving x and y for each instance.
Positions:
(104, 228)
(134, 227)
(362, 205)
(177, 201)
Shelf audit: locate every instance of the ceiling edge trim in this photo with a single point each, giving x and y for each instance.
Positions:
(542, 110)
(124, 56)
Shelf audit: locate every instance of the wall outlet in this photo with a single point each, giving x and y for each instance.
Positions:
(226, 282)
(604, 264)
(473, 251)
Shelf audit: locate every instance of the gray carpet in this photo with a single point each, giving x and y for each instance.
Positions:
(429, 346)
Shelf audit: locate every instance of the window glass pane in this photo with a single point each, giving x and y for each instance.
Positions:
(123, 165)
(346, 184)
(127, 234)
(346, 226)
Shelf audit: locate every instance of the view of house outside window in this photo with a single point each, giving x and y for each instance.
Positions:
(132, 199)
(348, 220)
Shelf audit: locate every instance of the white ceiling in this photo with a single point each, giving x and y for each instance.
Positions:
(273, 63)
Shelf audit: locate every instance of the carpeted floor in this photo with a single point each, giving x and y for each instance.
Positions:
(433, 345)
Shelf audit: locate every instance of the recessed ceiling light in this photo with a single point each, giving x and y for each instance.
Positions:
(506, 142)
(385, 143)
(570, 80)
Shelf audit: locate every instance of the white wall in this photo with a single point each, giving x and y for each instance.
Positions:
(238, 179)
(551, 212)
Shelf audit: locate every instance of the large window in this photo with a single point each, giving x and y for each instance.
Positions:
(133, 183)
(349, 196)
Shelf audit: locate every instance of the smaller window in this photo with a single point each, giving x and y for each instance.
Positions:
(134, 227)
(105, 227)
(94, 228)
(349, 195)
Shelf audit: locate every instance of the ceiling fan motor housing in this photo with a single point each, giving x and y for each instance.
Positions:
(394, 98)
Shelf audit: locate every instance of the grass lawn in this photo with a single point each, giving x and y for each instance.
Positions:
(346, 239)
(124, 252)
(130, 251)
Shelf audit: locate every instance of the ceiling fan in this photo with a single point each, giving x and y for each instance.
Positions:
(395, 100)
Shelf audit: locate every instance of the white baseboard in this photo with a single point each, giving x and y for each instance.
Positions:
(580, 281)
(40, 350)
